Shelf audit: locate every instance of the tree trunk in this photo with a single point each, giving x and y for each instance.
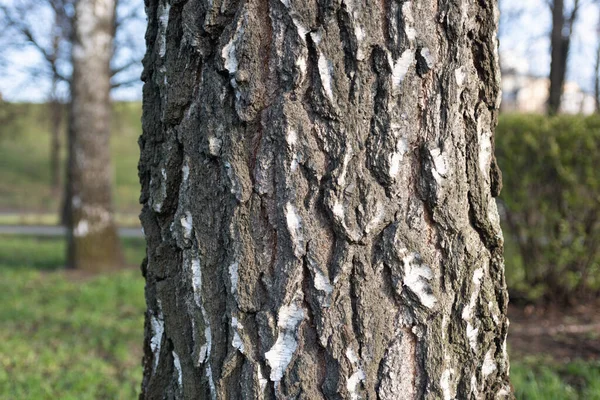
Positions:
(597, 77)
(93, 240)
(318, 182)
(560, 41)
(56, 114)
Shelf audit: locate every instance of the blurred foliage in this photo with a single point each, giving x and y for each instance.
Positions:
(550, 205)
(25, 157)
(64, 335)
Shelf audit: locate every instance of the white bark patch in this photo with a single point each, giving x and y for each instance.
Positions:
(322, 283)
(440, 165)
(489, 364)
(280, 355)
(338, 210)
(353, 381)
(177, 365)
(460, 74)
(197, 281)
(229, 53)
(396, 157)
(157, 203)
(448, 389)
(409, 21)
(493, 312)
(474, 387)
(262, 381)
(302, 31)
(76, 201)
(294, 226)
(204, 353)
(416, 277)
(485, 145)
(495, 217)
(185, 171)
(301, 64)
(211, 382)
(504, 392)
(233, 276)
(187, 224)
(472, 335)
(82, 228)
(357, 376)
(236, 188)
(359, 34)
(291, 138)
(400, 68)
(325, 67)
(237, 342)
(427, 57)
(342, 177)
(467, 314)
(214, 146)
(373, 223)
(157, 324)
(163, 23)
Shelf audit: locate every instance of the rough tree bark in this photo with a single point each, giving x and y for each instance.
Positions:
(92, 234)
(560, 42)
(318, 186)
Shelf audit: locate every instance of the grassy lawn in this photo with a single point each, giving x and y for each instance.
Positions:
(539, 378)
(64, 337)
(25, 159)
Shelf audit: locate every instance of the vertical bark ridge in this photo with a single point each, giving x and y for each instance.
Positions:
(317, 200)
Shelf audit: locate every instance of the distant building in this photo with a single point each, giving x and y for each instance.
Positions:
(522, 92)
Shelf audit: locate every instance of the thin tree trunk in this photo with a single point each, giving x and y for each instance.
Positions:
(56, 113)
(93, 240)
(597, 77)
(318, 184)
(560, 42)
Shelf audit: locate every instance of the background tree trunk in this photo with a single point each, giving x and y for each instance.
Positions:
(56, 116)
(318, 182)
(597, 75)
(93, 240)
(560, 41)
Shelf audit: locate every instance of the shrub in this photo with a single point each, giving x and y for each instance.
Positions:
(551, 205)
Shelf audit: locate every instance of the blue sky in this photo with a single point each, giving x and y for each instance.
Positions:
(524, 38)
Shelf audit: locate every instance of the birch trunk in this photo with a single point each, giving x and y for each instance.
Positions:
(92, 235)
(318, 182)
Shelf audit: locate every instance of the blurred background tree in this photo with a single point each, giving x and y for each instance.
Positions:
(82, 52)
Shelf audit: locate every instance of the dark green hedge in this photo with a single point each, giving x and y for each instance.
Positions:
(550, 205)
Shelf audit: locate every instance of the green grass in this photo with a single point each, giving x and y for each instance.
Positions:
(25, 159)
(64, 337)
(539, 378)
(67, 337)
